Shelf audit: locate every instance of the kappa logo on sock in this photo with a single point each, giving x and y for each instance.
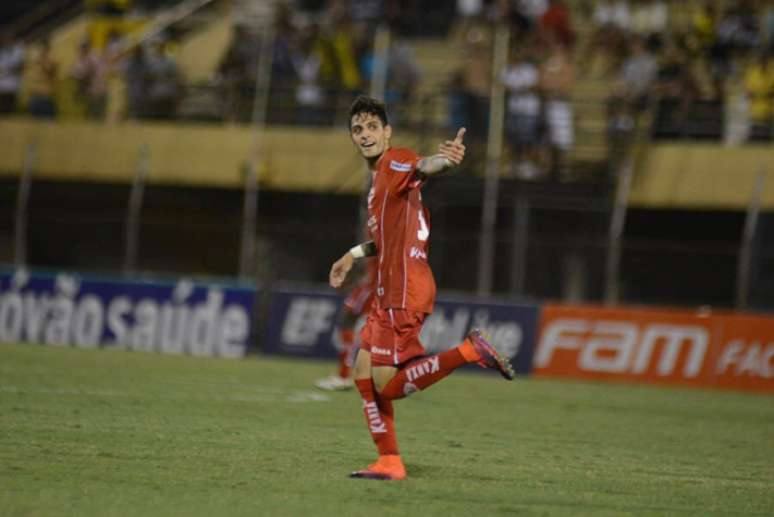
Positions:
(431, 365)
(375, 422)
(409, 388)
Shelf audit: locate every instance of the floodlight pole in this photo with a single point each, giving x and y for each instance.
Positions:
(493, 153)
(247, 255)
(615, 232)
(744, 265)
(22, 204)
(249, 223)
(132, 228)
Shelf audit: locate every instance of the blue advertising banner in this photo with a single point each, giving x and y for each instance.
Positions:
(302, 322)
(179, 316)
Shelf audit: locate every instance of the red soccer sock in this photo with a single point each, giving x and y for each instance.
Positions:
(347, 338)
(379, 417)
(423, 373)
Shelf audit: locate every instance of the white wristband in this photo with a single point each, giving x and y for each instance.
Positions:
(357, 251)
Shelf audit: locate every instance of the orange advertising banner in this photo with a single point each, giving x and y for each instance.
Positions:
(744, 357)
(699, 348)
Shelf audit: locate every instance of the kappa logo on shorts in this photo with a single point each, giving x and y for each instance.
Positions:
(399, 166)
(380, 351)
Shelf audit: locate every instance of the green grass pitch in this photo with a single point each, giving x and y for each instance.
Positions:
(102, 433)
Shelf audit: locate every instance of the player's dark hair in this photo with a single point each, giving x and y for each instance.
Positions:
(369, 106)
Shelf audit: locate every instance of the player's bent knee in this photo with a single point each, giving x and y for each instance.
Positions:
(382, 375)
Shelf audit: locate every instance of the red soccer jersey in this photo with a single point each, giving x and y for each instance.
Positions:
(400, 225)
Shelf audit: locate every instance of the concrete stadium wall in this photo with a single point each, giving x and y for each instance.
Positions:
(188, 155)
(690, 176)
(702, 176)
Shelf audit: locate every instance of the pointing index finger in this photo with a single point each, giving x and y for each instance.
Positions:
(460, 134)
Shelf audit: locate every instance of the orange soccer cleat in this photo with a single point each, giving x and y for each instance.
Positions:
(488, 356)
(387, 468)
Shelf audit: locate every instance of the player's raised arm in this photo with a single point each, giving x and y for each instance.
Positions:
(342, 267)
(450, 154)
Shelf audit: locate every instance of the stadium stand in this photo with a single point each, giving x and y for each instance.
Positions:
(206, 63)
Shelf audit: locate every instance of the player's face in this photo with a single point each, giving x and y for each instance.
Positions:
(369, 135)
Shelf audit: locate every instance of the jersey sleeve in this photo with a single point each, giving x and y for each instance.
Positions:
(402, 167)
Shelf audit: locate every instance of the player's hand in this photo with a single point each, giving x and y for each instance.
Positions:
(340, 270)
(454, 150)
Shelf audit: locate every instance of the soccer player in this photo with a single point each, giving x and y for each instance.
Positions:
(392, 363)
(357, 303)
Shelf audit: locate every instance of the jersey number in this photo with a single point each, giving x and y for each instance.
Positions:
(424, 232)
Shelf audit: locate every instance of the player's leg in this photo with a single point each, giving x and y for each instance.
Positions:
(346, 356)
(416, 371)
(421, 373)
(345, 346)
(379, 414)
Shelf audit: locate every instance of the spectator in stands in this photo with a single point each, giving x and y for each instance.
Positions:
(163, 83)
(522, 80)
(759, 87)
(704, 24)
(42, 78)
(136, 76)
(82, 73)
(675, 84)
(11, 66)
(630, 97)
(650, 20)
(610, 20)
(471, 87)
(675, 88)
(522, 15)
(236, 75)
(736, 34)
(637, 75)
(611, 14)
(93, 70)
(112, 66)
(363, 45)
(310, 96)
(403, 78)
(281, 107)
(533, 10)
(343, 42)
(557, 78)
(557, 20)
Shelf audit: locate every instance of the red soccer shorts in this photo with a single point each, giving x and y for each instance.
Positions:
(392, 336)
